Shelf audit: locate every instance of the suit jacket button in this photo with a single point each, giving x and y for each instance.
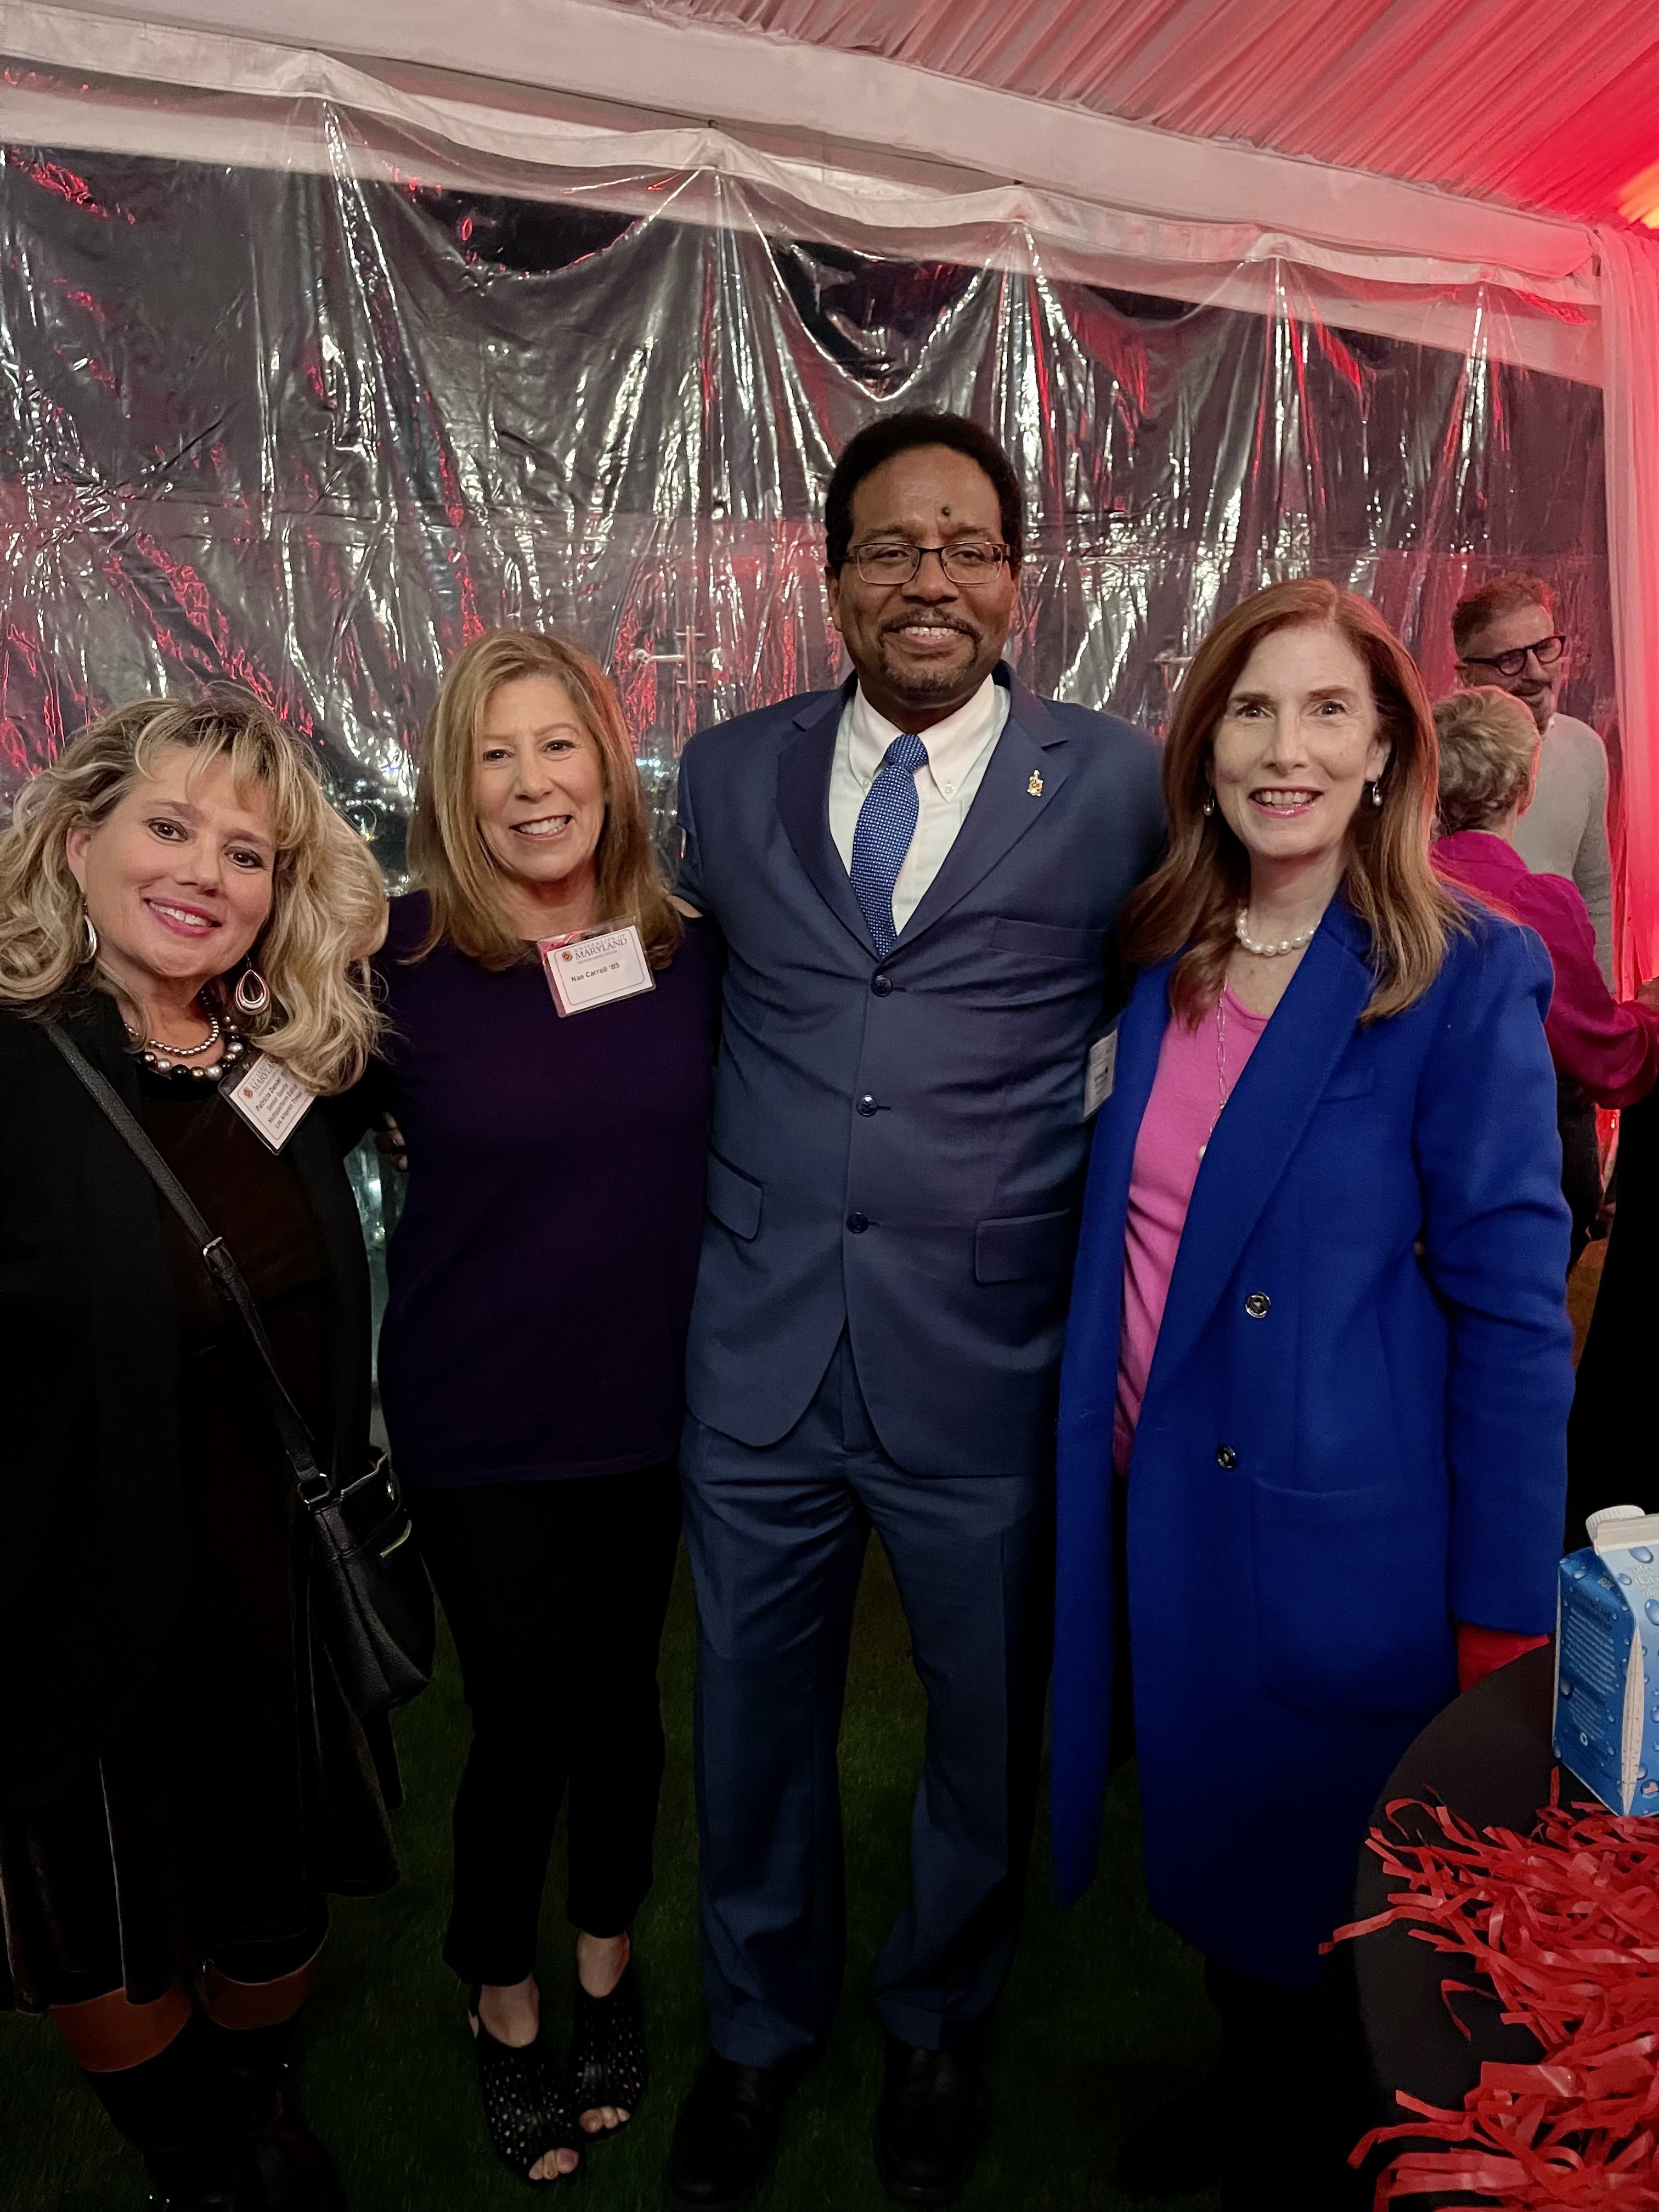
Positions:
(1258, 1305)
(867, 1104)
(1225, 1456)
(858, 1223)
(880, 984)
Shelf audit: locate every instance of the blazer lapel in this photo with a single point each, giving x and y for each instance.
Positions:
(1261, 1126)
(1139, 1041)
(1021, 778)
(804, 767)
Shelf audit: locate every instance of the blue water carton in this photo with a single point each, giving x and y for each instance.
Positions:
(1606, 1660)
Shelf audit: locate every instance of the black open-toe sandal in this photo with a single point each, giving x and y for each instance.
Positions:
(608, 2063)
(526, 2108)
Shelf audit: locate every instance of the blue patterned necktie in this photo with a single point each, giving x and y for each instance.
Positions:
(886, 824)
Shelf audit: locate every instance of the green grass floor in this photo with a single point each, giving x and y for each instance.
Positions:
(1105, 2015)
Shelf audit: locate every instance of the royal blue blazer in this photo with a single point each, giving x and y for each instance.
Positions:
(1354, 1435)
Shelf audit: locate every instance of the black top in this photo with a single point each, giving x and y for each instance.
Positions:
(99, 1537)
(542, 1270)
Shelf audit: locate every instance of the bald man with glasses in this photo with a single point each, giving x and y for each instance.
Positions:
(1506, 634)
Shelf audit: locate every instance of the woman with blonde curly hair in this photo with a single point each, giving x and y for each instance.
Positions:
(180, 1778)
(531, 1358)
(1318, 1368)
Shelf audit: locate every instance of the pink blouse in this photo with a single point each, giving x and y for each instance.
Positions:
(1195, 1069)
(1610, 1047)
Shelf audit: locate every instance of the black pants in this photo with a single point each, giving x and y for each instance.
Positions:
(1291, 2083)
(556, 1594)
(1581, 1163)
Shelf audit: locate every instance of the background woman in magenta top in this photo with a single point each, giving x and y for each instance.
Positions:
(1317, 1348)
(531, 1360)
(1606, 1054)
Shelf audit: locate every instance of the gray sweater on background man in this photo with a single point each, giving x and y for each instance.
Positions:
(1565, 831)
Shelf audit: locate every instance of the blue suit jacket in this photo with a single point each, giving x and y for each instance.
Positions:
(1321, 1485)
(898, 1145)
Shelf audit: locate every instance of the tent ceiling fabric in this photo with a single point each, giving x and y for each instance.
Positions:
(1455, 172)
(1555, 109)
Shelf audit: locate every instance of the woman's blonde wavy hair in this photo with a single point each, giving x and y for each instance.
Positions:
(328, 902)
(1187, 905)
(471, 907)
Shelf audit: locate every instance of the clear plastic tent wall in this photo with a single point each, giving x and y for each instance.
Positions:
(310, 426)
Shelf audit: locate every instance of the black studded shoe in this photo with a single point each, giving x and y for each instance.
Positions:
(527, 2109)
(608, 2064)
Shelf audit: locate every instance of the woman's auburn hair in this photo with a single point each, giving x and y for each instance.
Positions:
(328, 910)
(449, 859)
(1189, 904)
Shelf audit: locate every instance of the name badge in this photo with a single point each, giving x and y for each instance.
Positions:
(595, 966)
(272, 1101)
(1100, 1074)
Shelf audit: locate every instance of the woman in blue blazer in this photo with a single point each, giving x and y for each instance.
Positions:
(1318, 1370)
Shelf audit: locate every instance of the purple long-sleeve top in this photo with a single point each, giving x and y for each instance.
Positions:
(1609, 1047)
(542, 1270)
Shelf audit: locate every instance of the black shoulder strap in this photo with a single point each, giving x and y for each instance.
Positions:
(216, 1253)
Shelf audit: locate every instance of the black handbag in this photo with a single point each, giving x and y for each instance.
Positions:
(376, 1596)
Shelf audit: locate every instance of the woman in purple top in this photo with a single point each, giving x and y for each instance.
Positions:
(541, 1279)
(1606, 1053)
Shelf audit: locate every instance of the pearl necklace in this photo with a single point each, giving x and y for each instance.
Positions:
(189, 1051)
(169, 1058)
(1272, 951)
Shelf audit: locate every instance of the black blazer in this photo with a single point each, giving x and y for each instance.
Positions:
(93, 1541)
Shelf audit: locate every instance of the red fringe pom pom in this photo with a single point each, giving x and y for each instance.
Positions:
(1564, 1924)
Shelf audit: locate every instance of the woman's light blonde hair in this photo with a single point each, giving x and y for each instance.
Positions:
(449, 859)
(1189, 904)
(1488, 749)
(328, 902)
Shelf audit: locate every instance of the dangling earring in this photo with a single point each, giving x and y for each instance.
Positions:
(1209, 806)
(1377, 793)
(92, 935)
(252, 992)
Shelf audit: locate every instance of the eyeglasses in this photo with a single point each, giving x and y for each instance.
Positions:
(1547, 652)
(896, 561)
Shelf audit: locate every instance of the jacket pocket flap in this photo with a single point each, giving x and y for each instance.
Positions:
(1349, 1083)
(1025, 1245)
(734, 1200)
(1047, 940)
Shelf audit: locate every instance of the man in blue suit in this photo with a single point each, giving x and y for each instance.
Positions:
(917, 876)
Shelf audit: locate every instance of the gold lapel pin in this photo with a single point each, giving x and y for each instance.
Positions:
(1034, 786)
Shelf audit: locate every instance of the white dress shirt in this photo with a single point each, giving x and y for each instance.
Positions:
(959, 750)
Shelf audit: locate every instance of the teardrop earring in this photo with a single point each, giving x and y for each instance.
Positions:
(92, 935)
(1377, 793)
(1209, 806)
(252, 992)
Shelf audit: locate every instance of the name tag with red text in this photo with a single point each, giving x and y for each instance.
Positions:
(272, 1101)
(595, 967)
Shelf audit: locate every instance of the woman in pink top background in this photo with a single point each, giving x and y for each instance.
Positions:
(1317, 1367)
(1606, 1054)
